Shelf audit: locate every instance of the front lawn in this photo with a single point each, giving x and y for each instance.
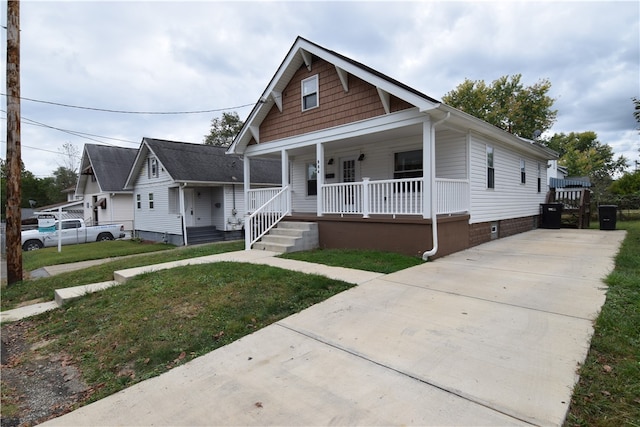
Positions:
(32, 260)
(379, 262)
(159, 320)
(42, 289)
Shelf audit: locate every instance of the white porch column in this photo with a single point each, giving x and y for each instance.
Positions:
(319, 176)
(285, 179)
(428, 166)
(182, 213)
(246, 172)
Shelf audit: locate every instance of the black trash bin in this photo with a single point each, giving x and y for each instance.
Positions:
(551, 215)
(607, 216)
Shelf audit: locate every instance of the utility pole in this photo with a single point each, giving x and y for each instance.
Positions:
(14, 156)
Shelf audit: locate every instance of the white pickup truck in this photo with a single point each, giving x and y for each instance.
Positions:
(73, 231)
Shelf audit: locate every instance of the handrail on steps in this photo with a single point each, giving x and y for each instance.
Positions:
(258, 223)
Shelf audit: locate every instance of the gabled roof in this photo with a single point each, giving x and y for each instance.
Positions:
(302, 53)
(200, 163)
(110, 165)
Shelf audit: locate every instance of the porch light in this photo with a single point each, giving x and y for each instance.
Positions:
(330, 162)
(361, 157)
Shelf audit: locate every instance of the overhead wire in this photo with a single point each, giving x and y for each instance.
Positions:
(107, 110)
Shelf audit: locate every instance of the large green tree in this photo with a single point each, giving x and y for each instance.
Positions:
(35, 191)
(506, 103)
(583, 155)
(224, 129)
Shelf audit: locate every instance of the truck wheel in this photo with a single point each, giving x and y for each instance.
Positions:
(32, 245)
(104, 236)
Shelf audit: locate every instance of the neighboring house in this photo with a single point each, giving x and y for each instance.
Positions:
(191, 193)
(103, 172)
(377, 164)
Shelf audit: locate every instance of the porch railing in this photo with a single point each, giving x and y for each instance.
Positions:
(393, 197)
(260, 196)
(267, 215)
(452, 196)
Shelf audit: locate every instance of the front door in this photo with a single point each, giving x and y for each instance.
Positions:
(348, 172)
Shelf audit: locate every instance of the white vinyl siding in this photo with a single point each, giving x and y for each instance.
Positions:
(451, 155)
(509, 199)
(233, 195)
(158, 219)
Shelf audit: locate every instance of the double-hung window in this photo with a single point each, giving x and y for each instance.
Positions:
(491, 181)
(138, 201)
(523, 172)
(407, 164)
(150, 200)
(539, 178)
(310, 93)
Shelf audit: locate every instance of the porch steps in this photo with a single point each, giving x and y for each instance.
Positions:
(290, 236)
(197, 235)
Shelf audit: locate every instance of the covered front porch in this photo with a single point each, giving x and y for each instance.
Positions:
(393, 167)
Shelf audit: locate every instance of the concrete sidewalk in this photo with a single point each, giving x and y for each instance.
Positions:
(488, 336)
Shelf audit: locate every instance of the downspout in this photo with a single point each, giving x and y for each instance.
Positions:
(434, 220)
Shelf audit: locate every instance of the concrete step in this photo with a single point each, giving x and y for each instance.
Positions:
(65, 295)
(284, 240)
(293, 232)
(273, 247)
(298, 225)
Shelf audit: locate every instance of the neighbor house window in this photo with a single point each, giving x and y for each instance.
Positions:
(407, 164)
(523, 172)
(150, 200)
(491, 183)
(153, 168)
(310, 93)
(138, 201)
(173, 200)
(312, 179)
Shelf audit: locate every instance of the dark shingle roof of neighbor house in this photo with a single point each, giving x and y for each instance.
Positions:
(111, 165)
(208, 163)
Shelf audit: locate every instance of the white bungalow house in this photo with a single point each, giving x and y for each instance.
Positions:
(187, 193)
(103, 172)
(379, 165)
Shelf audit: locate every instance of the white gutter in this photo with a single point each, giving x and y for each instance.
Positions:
(434, 220)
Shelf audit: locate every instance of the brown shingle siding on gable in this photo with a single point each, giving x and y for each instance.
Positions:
(336, 107)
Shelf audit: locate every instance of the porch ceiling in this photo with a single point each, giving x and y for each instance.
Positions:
(373, 138)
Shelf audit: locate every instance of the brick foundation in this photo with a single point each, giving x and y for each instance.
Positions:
(481, 232)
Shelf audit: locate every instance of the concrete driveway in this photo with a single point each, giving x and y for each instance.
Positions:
(488, 336)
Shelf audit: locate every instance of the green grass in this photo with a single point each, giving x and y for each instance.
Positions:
(159, 320)
(42, 289)
(32, 260)
(608, 392)
(380, 262)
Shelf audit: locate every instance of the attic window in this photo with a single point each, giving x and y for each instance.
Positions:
(310, 93)
(153, 168)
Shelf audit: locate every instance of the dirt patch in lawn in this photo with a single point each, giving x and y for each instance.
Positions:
(37, 385)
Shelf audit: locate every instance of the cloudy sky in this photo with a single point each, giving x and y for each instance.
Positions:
(179, 56)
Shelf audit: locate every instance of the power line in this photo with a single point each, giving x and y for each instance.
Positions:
(75, 133)
(59, 104)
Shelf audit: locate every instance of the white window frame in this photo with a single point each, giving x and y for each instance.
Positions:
(138, 201)
(400, 170)
(153, 168)
(150, 200)
(314, 91)
(311, 171)
(491, 171)
(523, 172)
